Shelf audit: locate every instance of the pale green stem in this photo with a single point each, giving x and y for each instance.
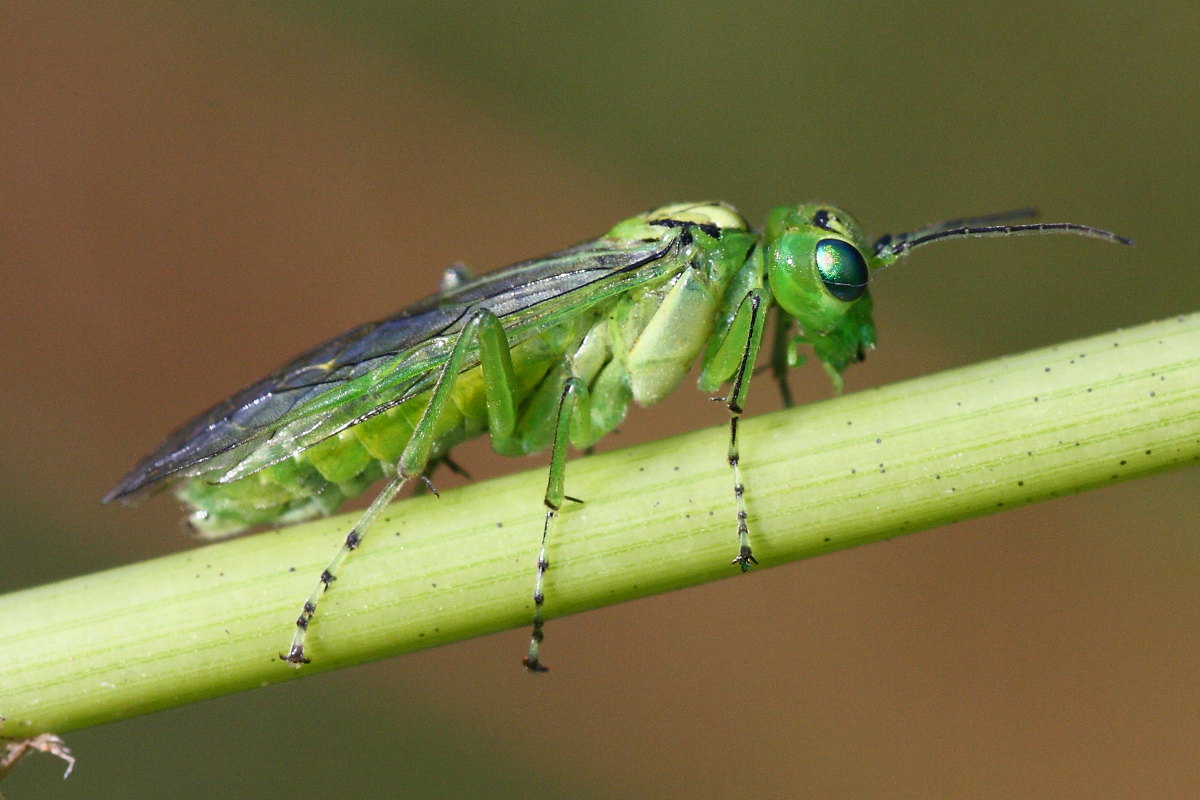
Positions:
(860, 468)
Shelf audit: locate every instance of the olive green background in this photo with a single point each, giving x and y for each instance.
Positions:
(191, 194)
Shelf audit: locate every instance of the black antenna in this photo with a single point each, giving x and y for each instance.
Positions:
(896, 246)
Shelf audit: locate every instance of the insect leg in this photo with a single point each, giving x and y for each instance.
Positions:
(783, 353)
(572, 423)
(573, 404)
(482, 326)
(295, 654)
(754, 301)
(745, 334)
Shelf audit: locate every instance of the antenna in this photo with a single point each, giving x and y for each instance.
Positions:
(893, 247)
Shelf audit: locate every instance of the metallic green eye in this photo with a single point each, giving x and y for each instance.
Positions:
(842, 268)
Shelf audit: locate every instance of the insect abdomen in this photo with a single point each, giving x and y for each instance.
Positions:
(316, 481)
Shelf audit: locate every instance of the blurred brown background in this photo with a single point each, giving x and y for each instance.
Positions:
(191, 194)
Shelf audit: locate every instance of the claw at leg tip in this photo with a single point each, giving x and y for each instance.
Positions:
(533, 665)
(744, 560)
(295, 658)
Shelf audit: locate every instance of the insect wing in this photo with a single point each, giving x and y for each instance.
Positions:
(224, 433)
(377, 365)
(527, 298)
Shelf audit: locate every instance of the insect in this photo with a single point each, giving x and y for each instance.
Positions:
(544, 353)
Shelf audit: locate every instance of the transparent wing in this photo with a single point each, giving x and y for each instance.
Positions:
(377, 365)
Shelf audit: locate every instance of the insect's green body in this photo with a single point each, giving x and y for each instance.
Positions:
(635, 340)
(544, 353)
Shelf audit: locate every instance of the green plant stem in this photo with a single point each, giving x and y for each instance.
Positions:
(860, 468)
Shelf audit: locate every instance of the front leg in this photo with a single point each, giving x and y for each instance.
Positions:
(734, 359)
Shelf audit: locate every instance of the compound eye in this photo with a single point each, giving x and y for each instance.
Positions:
(842, 268)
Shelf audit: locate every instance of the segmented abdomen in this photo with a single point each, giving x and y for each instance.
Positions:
(634, 346)
(317, 480)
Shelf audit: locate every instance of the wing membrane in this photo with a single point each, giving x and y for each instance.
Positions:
(377, 365)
